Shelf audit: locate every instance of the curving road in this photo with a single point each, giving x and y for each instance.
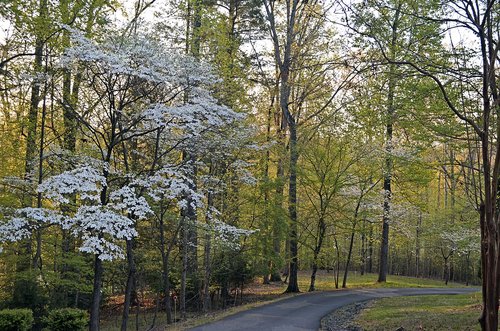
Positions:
(304, 312)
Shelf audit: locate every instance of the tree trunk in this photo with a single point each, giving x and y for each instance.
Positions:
(182, 299)
(280, 179)
(96, 294)
(317, 250)
(37, 260)
(390, 115)
(384, 248)
(130, 283)
(165, 264)
(337, 267)
(417, 246)
(363, 249)
(370, 250)
(313, 274)
(293, 285)
(207, 249)
(349, 254)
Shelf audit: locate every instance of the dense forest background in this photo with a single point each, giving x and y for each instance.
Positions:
(174, 151)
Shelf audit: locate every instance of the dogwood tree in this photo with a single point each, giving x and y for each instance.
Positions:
(137, 101)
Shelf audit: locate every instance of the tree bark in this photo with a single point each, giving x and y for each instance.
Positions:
(207, 265)
(293, 285)
(390, 114)
(384, 247)
(96, 294)
(130, 283)
(349, 254)
(317, 250)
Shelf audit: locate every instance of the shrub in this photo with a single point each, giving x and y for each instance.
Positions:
(16, 319)
(67, 319)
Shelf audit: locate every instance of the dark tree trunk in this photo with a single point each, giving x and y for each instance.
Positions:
(280, 179)
(130, 283)
(207, 265)
(337, 267)
(182, 299)
(363, 249)
(96, 295)
(349, 254)
(370, 250)
(317, 250)
(37, 260)
(293, 285)
(165, 265)
(312, 287)
(390, 115)
(283, 58)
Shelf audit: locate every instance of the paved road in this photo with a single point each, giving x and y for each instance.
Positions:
(304, 312)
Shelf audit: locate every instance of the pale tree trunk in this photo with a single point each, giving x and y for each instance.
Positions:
(417, 246)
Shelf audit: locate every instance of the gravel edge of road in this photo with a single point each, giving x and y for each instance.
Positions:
(342, 319)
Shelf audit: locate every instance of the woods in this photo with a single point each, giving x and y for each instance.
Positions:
(158, 157)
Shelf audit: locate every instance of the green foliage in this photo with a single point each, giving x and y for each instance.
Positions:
(29, 294)
(67, 319)
(232, 269)
(16, 319)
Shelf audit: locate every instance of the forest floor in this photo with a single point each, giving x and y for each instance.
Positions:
(257, 294)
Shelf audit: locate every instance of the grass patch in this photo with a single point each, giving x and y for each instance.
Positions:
(426, 312)
(325, 281)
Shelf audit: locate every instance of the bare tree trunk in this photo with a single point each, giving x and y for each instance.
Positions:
(182, 300)
(337, 267)
(165, 264)
(284, 62)
(363, 249)
(417, 246)
(349, 254)
(293, 285)
(96, 295)
(317, 250)
(384, 247)
(207, 263)
(280, 174)
(370, 250)
(130, 283)
(37, 260)
(390, 115)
